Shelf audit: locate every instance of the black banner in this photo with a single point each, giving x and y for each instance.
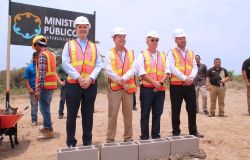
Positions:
(56, 25)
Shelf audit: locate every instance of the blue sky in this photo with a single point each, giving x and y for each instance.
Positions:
(214, 28)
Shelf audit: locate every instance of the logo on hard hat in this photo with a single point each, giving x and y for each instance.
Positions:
(31, 25)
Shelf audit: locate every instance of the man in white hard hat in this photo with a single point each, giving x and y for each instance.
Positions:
(121, 85)
(82, 62)
(183, 69)
(153, 71)
(46, 82)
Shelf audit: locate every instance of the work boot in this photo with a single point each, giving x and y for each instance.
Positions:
(46, 134)
(42, 129)
(34, 123)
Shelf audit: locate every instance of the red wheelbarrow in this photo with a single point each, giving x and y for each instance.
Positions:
(8, 126)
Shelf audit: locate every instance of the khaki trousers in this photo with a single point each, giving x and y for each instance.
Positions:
(214, 93)
(248, 98)
(203, 91)
(115, 98)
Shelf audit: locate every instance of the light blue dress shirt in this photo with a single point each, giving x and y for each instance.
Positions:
(70, 70)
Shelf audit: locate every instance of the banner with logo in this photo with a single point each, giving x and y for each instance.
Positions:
(56, 25)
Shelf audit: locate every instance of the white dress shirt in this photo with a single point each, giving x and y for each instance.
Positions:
(70, 70)
(176, 71)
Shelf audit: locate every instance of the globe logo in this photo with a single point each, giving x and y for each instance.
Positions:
(27, 25)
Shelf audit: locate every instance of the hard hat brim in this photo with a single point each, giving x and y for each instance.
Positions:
(82, 23)
(124, 34)
(33, 43)
(181, 35)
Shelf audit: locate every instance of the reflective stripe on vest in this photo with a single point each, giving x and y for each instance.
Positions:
(50, 79)
(154, 70)
(84, 63)
(183, 65)
(121, 68)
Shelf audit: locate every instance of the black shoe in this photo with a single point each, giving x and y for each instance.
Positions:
(110, 141)
(211, 115)
(176, 134)
(206, 112)
(60, 116)
(143, 138)
(128, 140)
(87, 144)
(134, 108)
(222, 115)
(198, 135)
(71, 145)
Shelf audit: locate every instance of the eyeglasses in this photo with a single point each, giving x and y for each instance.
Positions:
(156, 40)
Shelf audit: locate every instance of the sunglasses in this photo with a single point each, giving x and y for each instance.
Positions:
(154, 40)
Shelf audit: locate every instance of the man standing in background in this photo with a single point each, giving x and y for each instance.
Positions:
(215, 82)
(200, 85)
(62, 76)
(30, 83)
(246, 78)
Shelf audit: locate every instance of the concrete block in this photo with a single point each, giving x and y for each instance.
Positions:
(119, 151)
(78, 153)
(153, 148)
(184, 144)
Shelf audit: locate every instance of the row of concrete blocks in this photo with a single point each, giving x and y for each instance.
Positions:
(139, 150)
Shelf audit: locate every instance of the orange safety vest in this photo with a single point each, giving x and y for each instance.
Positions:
(84, 63)
(154, 70)
(50, 79)
(121, 68)
(185, 65)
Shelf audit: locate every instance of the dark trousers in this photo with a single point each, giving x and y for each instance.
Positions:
(155, 101)
(76, 96)
(62, 100)
(177, 94)
(134, 99)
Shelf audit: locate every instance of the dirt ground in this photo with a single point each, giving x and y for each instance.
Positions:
(225, 138)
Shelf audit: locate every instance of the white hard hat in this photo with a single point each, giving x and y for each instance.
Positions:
(118, 30)
(153, 34)
(179, 32)
(81, 20)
